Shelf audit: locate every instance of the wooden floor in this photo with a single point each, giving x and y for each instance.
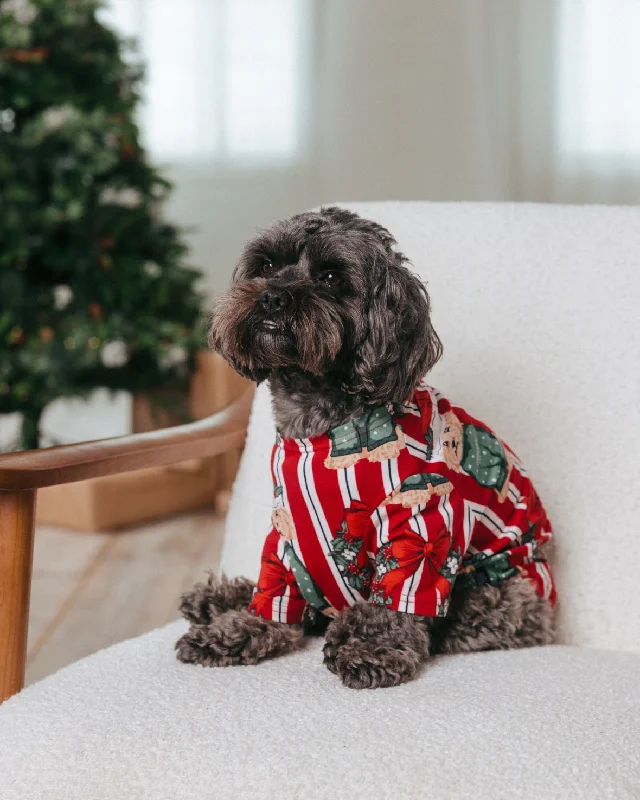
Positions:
(91, 590)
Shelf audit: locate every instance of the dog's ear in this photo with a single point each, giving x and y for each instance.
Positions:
(399, 345)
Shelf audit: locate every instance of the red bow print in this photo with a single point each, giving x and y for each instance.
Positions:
(273, 582)
(409, 549)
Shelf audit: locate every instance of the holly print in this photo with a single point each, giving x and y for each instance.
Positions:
(378, 596)
(451, 565)
(347, 547)
(442, 606)
(345, 552)
(385, 563)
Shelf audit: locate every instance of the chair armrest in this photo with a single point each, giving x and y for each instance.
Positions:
(77, 462)
(22, 474)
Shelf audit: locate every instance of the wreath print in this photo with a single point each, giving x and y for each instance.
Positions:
(347, 547)
(401, 557)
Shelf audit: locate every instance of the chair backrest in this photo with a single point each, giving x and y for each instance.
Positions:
(538, 310)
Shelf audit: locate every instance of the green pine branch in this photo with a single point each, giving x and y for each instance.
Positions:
(94, 289)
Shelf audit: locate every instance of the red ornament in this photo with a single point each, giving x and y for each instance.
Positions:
(33, 56)
(16, 335)
(47, 334)
(127, 150)
(95, 309)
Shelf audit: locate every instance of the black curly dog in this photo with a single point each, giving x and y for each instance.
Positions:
(337, 324)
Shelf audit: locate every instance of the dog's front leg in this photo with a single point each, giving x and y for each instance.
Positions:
(370, 647)
(236, 637)
(206, 601)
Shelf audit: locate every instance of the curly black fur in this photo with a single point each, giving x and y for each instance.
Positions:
(505, 617)
(371, 647)
(236, 637)
(207, 600)
(324, 307)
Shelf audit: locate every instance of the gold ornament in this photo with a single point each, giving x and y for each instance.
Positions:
(16, 335)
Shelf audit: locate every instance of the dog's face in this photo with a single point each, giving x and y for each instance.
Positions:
(325, 294)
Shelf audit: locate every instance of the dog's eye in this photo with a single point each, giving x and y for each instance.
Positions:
(266, 266)
(331, 278)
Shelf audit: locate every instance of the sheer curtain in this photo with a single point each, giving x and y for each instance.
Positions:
(224, 77)
(263, 107)
(598, 102)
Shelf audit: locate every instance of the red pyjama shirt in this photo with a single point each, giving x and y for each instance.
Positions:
(396, 507)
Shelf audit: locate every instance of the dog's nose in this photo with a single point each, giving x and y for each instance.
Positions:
(274, 300)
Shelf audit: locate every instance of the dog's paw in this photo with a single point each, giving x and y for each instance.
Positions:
(341, 629)
(369, 665)
(206, 601)
(370, 646)
(236, 637)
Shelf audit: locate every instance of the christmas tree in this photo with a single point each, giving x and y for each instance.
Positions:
(93, 289)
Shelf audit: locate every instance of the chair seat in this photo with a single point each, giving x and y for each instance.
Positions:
(132, 722)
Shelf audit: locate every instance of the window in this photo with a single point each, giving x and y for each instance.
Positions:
(599, 91)
(224, 77)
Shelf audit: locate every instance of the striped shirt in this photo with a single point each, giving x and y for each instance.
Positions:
(395, 507)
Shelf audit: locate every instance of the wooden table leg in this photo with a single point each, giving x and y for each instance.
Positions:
(17, 516)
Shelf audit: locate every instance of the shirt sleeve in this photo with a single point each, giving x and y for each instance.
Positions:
(277, 596)
(417, 560)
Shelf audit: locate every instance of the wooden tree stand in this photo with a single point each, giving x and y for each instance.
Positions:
(116, 501)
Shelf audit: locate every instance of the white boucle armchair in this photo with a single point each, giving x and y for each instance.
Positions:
(538, 310)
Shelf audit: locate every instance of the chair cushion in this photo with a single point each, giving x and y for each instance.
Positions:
(537, 308)
(131, 722)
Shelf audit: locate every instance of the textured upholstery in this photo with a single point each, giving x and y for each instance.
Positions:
(537, 307)
(131, 723)
(537, 310)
